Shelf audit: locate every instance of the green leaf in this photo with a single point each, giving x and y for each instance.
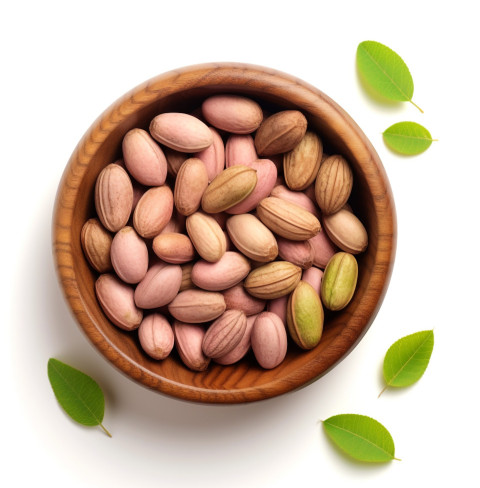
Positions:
(385, 71)
(78, 394)
(407, 359)
(407, 138)
(361, 437)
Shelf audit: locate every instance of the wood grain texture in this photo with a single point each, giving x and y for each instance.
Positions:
(183, 90)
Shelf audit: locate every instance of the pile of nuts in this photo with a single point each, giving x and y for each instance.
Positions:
(196, 236)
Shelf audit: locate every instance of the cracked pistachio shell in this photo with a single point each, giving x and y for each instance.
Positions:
(339, 281)
(305, 316)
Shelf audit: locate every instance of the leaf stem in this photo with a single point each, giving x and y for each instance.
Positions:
(415, 105)
(386, 386)
(105, 430)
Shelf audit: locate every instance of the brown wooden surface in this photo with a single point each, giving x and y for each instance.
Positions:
(183, 90)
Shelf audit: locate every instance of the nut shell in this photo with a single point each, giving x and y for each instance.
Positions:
(339, 281)
(153, 211)
(305, 316)
(224, 333)
(333, 184)
(191, 183)
(207, 236)
(280, 132)
(113, 197)
(156, 336)
(197, 306)
(229, 188)
(181, 132)
(301, 164)
(96, 244)
(188, 342)
(288, 219)
(229, 270)
(273, 280)
(116, 299)
(269, 340)
(252, 238)
(346, 231)
(173, 247)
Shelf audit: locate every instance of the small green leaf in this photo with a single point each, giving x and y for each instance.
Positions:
(407, 359)
(78, 394)
(407, 138)
(361, 437)
(385, 71)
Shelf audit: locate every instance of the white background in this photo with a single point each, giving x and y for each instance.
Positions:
(62, 64)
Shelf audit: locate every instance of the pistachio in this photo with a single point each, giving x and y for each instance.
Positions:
(191, 182)
(153, 211)
(113, 197)
(305, 316)
(224, 333)
(288, 219)
(273, 280)
(280, 132)
(269, 340)
(252, 237)
(346, 231)
(197, 306)
(156, 336)
(339, 281)
(188, 341)
(301, 164)
(333, 184)
(207, 236)
(173, 247)
(96, 244)
(230, 187)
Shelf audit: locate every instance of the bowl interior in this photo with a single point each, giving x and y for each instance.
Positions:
(183, 91)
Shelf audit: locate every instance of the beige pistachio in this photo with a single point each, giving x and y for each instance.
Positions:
(197, 306)
(229, 188)
(252, 238)
(207, 236)
(181, 132)
(305, 316)
(273, 280)
(224, 333)
(113, 197)
(299, 198)
(191, 183)
(333, 184)
(232, 113)
(96, 244)
(339, 281)
(287, 219)
(301, 164)
(346, 231)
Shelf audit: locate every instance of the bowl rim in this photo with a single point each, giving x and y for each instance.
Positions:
(220, 75)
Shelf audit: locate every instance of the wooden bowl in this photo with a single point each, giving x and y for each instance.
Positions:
(183, 90)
